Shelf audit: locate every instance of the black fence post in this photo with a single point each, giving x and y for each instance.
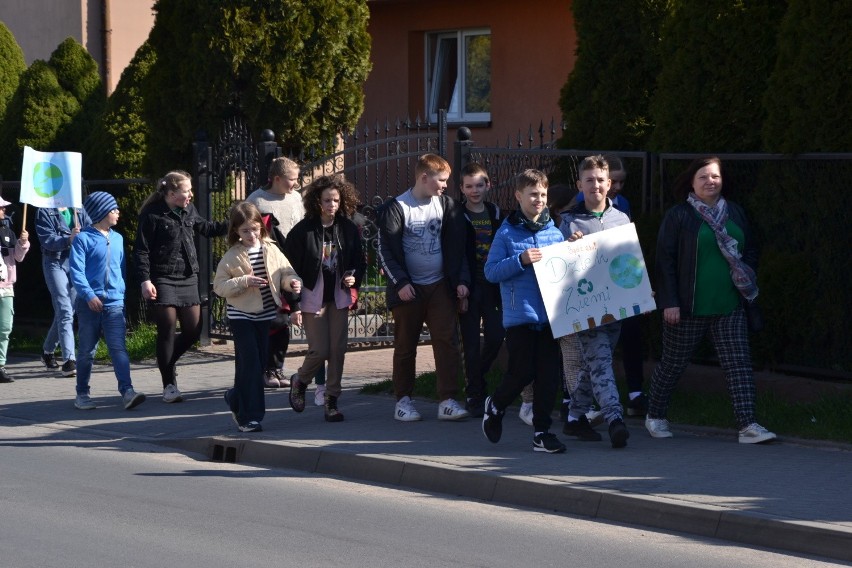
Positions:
(267, 150)
(202, 178)
(461, 156)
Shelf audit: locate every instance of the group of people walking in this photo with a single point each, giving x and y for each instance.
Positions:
(459, 267)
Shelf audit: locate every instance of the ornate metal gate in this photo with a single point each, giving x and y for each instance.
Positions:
(378, 160)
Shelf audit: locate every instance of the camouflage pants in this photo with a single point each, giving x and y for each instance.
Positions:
(596, 379)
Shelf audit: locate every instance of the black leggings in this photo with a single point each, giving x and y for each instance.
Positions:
(170, 344)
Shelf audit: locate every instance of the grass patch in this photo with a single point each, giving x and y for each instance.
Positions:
(141, 343)
(825, 419)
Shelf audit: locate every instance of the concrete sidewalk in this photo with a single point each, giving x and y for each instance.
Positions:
(790, 495)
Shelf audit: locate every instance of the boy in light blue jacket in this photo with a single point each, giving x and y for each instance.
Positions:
(97, 271)
(534, 354)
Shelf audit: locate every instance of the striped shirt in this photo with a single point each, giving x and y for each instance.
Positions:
(258, 268)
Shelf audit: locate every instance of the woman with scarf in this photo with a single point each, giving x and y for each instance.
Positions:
(706, 262)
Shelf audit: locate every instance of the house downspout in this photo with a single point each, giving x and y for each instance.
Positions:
(106, 45)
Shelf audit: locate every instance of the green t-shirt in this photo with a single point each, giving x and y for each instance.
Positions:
(482, 241)
(715, 293)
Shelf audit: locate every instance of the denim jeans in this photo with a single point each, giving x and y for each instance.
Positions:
(63, 297)
(111, 322)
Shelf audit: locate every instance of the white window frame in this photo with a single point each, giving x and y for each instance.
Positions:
(456, 111)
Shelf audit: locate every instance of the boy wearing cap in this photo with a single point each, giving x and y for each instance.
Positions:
(97, 272)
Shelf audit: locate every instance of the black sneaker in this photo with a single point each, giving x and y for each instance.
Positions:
(253, 426)
(638, 406)
(297, 393)
(475, 407)
(547, 442)
(492, 422)
(49, 361)
(69, 368)
(5, 377)
(582, 430)
(618, 433)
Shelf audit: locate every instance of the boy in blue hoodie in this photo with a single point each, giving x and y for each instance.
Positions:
(534, 354)
(97, 270)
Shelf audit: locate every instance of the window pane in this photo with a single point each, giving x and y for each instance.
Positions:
(477, 73)
(445, 77)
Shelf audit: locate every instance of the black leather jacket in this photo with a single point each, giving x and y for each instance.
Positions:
(677, 253)
(165, 241)
(303, 249)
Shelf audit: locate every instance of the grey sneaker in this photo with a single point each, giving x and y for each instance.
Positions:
(172, 394)
(84, 402)
(754, 433)
(132, 399)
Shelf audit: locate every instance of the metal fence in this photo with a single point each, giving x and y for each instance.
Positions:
(380, 161)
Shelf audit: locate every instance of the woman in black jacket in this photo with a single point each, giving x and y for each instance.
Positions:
(325, 249)
(168, 269)
(706, 269)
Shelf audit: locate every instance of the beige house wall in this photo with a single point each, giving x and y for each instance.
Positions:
(39, 26)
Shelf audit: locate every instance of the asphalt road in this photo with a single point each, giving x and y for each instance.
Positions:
(68, 503)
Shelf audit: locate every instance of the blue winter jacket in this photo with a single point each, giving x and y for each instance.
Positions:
(97, 266)
(522, 303)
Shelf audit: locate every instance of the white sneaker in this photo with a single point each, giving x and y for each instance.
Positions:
(658, 427)
(451, 410)
(405, 411)
(526, 413)
(754, 433)
(595, 417)
(319, 396)
(172, 394)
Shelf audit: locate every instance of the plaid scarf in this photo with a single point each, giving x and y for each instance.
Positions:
(534, 226)
(742, 274)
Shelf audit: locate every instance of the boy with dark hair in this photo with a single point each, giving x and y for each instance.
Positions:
(483, 304)
(419, 236)
(533, 352)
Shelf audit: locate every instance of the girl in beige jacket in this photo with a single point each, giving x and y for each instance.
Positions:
(250, 277)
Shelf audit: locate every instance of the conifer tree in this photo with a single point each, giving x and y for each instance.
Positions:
(295, 67)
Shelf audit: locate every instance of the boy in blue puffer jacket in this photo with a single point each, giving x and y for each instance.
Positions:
(534, 354)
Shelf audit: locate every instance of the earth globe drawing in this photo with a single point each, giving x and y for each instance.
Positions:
(47, 179)
(626, 271)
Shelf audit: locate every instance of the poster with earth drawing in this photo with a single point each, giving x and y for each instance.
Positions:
(593, 281)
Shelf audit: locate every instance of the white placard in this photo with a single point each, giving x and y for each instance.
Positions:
(594, 281)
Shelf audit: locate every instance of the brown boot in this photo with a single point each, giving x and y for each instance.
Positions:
(331, 412)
